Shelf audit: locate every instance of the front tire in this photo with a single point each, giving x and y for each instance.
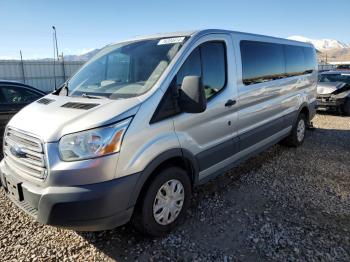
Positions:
(297, 135)
(164, 203)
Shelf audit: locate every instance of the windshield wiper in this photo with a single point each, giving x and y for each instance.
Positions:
(91, 96)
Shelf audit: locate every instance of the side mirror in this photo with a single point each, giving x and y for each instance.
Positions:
(192, 96)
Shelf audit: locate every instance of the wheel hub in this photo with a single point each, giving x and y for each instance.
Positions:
(168, 202)
(301, 130)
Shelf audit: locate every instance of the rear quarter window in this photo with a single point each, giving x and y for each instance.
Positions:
(310, 59)
(295, 60)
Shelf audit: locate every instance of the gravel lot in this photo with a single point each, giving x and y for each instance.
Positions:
(284, 205)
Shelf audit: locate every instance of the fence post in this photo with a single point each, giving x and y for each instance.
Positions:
(64, 70)
(22, 65)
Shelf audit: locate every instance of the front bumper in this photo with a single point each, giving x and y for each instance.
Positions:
(92, 207)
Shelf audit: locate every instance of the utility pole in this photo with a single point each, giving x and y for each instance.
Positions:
(63, 68)
(55, 38)
(22, 66)
(55, 53)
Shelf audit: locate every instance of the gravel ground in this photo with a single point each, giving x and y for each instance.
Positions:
(284, 205)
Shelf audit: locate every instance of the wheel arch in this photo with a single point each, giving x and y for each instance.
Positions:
(304, 108)
(172, 157)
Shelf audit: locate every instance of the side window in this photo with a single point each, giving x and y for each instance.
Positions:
(191, 67)
(2, 97)
(294, 60)
(261, 62)
(310, 59)
(15, 95)
(208, 61)
(214, 67)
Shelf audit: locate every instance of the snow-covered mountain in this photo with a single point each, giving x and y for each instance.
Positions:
(82, 57)
(321, 44)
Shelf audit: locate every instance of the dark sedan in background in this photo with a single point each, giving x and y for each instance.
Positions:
(13, 97)
(333, 91)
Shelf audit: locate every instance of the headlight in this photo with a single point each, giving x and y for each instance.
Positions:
(93, 143)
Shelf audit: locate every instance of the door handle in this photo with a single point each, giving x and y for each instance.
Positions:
(230, 102)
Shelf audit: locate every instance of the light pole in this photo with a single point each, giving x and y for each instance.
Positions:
(55, 53)
(55, 39)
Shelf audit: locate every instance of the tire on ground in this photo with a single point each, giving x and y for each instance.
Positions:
(293, 140)
(144, 219)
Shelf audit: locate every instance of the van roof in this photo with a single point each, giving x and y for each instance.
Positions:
(206, 31)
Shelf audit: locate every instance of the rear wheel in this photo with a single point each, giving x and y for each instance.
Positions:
(164, 203)
(346, 107)
(297, 135)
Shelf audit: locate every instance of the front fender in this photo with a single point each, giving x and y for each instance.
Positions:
(147, 172)
(151, 150)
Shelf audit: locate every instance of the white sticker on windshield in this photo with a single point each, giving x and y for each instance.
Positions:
(173, 40)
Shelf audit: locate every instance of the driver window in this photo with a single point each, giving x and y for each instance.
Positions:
(14, 95)
(207, 61)
(191, 67)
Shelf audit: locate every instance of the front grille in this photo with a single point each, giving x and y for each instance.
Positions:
(24, 154)
(319, 96)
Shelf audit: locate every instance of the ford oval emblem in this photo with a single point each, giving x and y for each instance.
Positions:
(17, 152)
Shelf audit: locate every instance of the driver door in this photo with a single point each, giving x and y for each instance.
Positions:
(211, 135)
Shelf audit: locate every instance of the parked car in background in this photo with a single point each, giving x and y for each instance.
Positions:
(333, 91)
(146, 120)
(343, 67)
(13, 97)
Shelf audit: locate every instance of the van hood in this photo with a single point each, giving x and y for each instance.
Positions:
(324, 88)
(56, 116)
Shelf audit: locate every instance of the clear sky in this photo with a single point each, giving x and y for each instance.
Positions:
(85, 25)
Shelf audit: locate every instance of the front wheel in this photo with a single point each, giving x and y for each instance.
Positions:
(297, 135)
(164, 203)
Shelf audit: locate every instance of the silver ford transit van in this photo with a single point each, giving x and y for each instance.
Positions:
(146, 120)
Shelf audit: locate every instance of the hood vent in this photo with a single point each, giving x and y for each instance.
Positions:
(45, 101)
(84, 106)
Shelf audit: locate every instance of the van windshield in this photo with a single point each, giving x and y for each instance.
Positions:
(125, 70)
